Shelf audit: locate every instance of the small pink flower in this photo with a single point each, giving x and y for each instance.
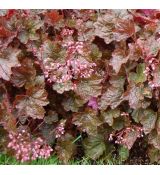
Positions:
(93, 103)
(27, 149)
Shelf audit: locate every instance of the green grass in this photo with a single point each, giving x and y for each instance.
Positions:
(6, 160)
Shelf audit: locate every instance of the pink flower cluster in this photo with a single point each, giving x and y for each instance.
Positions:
(71, 69)
(150, 68)
(74, 47)
(150, 61)
(122, 136)
(59, 130)
(75, 65)
(67, 32)
(27, 149)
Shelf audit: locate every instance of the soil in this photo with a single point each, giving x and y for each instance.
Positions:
(138, 154)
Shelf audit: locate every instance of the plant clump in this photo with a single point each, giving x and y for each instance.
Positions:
(76, 81)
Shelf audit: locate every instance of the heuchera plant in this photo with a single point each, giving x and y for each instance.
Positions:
(79, 83)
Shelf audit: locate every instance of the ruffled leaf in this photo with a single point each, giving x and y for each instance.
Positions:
(118, 58)
(65, 148)
(73, 103)
(23, 75)
(8, 59)
(139, 76)
(154, 139)
(87, 122)
(31, 104)
(113, 25)
(123, 153)
(88, 88)
(137, 94)
(154, 155)
(108, 116)
(146, 117)
(94, 146)
(113, 95)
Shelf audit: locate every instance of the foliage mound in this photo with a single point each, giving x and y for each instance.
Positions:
(79, 83)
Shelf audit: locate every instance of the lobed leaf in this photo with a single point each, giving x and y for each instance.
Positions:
(94, 146)
(8, 59)
(87, 122)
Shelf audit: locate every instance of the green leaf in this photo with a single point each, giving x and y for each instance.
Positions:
(137, 94)
(30, 26)
(154, 139)
(158, 123)
(95, 53)
(108, 116)
(137, 115)
(123, 153)
(139, 76)
(52, 50)
(94, 146)
(119, 123)
(73, 103)
(62, 87)
(148, 120)
(147, 117)
(154, 155)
